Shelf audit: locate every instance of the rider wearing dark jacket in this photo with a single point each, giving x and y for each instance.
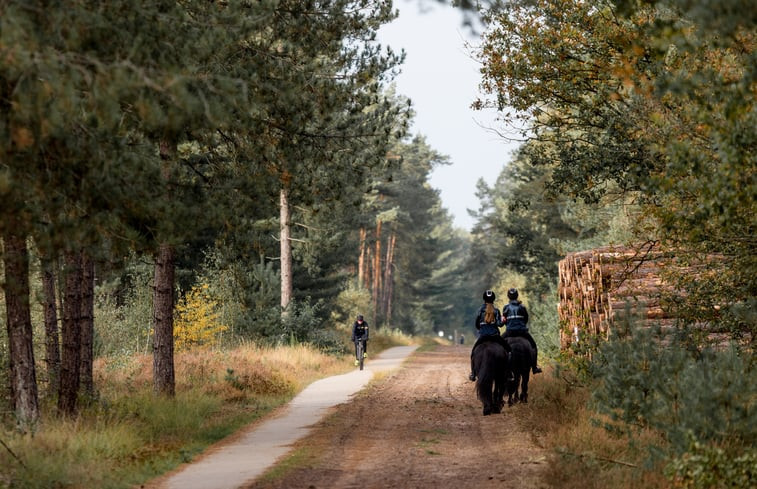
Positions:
(516, 323)
(360, 332)
(488, 321)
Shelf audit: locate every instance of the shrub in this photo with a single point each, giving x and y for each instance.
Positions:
(197, 321)
(707, 466)
(697, 400)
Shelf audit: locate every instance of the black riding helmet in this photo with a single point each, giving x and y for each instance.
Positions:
(512, 294)
(359, 317)
(489, 296)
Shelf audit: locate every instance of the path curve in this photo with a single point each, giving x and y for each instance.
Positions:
(230, 465)
(420, 428)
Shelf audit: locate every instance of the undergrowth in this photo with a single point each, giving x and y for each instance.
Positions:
(584, 454)
(127, 435)
(588, 455)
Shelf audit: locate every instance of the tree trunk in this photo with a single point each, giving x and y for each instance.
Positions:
(286, 250)
(164, 382)
(23, 380)
(376, 274)
(52, 341)
(87, 317)
(388, 278)
(71, 336)
(361, 283)
(164, 377)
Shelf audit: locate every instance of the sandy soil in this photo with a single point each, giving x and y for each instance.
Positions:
(420, 427)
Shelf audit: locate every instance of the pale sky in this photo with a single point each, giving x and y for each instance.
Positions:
(442, 80)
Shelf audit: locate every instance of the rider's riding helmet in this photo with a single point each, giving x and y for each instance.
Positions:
(489, 296)
(359, 317)
(512, 294)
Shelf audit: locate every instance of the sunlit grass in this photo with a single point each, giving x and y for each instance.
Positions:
(127, 435)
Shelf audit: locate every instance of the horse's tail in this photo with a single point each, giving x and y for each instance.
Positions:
(484, 383)
(490, 363)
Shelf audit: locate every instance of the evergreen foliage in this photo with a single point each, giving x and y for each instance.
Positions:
(129, 126)
(704, 404)
(650, 100)
(652, 103)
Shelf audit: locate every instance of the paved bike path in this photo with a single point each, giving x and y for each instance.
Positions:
(231, 465)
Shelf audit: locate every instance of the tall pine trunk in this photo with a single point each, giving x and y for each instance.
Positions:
(52, 341)
(376, 274)
(87, 324)
(388, 288)
(361, 261)
(286, 250)
(23, 379)
(164, 381)
(70, 378)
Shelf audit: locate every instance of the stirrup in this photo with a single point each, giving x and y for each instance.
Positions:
(472, 377)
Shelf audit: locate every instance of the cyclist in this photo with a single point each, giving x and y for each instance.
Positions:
(488, 321)
(360, 333)
(516, 323)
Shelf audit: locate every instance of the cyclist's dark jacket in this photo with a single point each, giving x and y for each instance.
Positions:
(515, 316)
(491, 329)
(360, 331)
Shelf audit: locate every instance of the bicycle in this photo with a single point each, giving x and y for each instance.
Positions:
(359, 352)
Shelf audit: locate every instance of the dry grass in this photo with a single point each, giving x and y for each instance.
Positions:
(128, 435)
(586, 455)
(253, 369)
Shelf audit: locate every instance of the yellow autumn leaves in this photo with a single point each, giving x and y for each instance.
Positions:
(197, 321)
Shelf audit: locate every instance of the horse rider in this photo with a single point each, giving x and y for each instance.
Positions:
(360, 333)
(488, 321)
(516, 323)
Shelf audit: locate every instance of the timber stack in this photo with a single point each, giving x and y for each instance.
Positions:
(600, 286)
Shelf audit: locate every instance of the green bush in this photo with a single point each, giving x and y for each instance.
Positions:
(349, 303)
(649, 381)
(707, 466)
(123, 312)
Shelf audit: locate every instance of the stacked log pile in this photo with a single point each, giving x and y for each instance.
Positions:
(600, 286)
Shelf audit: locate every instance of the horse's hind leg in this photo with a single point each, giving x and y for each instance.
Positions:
(498, 398)
(524, 388)
(488, 408)
(512, 390)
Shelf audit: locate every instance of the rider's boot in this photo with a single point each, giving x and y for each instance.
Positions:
(535, 368)
(472, 376)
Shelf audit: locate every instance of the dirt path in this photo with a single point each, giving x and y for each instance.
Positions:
(421, 427)
(248, 453)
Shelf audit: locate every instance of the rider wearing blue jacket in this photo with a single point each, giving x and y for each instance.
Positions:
(488, 321)
(516, 323)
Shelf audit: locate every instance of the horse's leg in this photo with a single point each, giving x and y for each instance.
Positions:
(524, 386)
(513, 390)
(484, 386)
(487, 406)
(499, 394)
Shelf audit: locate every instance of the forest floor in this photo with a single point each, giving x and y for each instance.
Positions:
(420, 426)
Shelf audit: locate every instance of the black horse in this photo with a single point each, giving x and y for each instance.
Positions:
(490, 364)
(519, 369)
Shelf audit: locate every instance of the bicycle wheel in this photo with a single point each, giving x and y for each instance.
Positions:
(360, 354)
